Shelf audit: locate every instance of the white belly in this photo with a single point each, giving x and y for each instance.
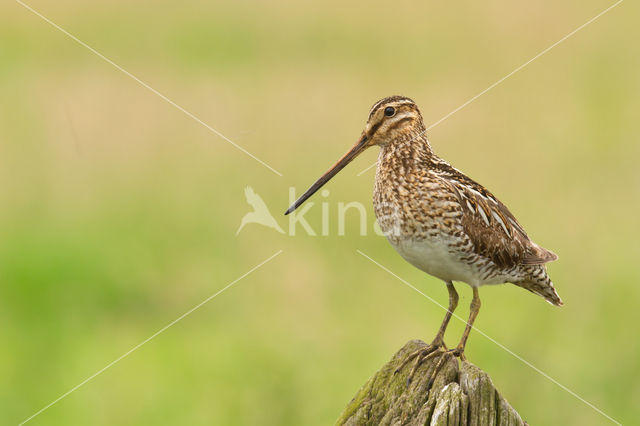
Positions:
(435, 257)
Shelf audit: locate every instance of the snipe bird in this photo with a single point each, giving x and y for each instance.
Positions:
(440, 220)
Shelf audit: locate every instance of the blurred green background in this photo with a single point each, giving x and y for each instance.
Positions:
(119, 213)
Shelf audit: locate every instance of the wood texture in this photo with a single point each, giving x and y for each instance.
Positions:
(461, 394)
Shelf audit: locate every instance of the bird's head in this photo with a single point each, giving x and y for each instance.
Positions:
(390, 119)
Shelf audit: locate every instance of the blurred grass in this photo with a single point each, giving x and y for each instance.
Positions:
(119, 213)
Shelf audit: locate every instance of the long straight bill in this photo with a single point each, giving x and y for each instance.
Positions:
(346, 159)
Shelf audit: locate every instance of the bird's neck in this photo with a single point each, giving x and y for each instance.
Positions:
(405, 154)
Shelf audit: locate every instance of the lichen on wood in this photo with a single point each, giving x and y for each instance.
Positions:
(461, 394)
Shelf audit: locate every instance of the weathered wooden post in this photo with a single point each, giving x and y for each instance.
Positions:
(461, 394)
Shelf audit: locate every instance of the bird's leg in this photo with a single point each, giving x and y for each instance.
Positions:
(458, 351)
(453, 304)
(423, 354)
(473, 313)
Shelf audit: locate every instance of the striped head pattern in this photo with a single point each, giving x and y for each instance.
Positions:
(393, 118)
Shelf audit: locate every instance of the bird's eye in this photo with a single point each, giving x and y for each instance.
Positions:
(389, 111)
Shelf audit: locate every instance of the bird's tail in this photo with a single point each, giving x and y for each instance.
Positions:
(538, 282)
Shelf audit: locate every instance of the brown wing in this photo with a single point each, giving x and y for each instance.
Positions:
(492, 228)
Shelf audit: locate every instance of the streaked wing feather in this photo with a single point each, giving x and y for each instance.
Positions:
(494, 231)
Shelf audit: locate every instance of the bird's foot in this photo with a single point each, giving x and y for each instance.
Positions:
(420, 356)
(455, 353)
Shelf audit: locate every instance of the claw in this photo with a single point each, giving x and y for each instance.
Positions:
(420, 356)
(445, 355)
(420, 360)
